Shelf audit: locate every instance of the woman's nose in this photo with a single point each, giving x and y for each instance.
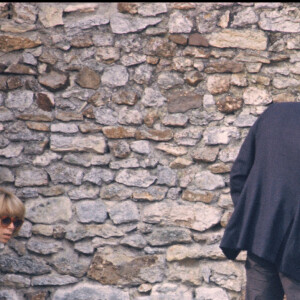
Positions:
(11, 226)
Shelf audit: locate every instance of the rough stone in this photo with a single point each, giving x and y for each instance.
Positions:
(88, 78)
(183, 103)
(232, 38)
(126, 268)
(54, 81)
(9, 43)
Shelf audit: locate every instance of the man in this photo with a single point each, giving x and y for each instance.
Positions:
(265, 189)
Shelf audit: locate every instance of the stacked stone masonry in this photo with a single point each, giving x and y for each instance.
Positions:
(119, 126)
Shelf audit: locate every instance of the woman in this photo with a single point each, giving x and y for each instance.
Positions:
(12, 212)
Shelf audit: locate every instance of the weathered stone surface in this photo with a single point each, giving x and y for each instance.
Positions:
(44, 246)
(20, 100)
(208, 154)
(219, 135)
(118, 132)
(91, 211)
(256, 96)
(54, 81)
(197, 39)
(88, 78)
(169, 235)
(195, 196)
(178, 39)
(127, 7)
(126, 268)
(53, 280)
(195, 251)
(124, 212)
(20, 69)
(51, 16)
(152, 9)
(196, 216)
(89, 290)
(178, 23)
(138, 178)
(152, 193)
(232, 38)
(172, 149)
(160, 47)
(9, 43)
(45, 101)
(82, 41)
(184, 102)
(229, 104)
(24, 264)
(218, 84)
(153, 134)
(90, 143)
(281, 21)
(49, 210)
(224, 67)
(152, 98)
(220, 271)
(29, 176)
(115, 76)
(206, 293)
(121, 23)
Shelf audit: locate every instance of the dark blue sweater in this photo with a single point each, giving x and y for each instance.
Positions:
(265, 189)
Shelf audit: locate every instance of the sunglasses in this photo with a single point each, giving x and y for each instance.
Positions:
(6, 221)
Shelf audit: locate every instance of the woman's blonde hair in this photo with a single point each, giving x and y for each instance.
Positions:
(11, 205)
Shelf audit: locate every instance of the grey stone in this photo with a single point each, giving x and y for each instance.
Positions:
(86, 191)
(115, 191)
(138, 178)
(167, 80)
(143, 74)
(280, 20)
(88, 143)
(178, 23)
(124, 212)
(44, 246)
(53, 280)
(152, 9)
(98, 175)
(24, 264)
(141, 147)
(92, 291)
(207, 293)
(20, 100)
(115, 76)
(169, 235)
(60, 173)
(207, 181)
(166, 175)
(91, 211)
(28, 176)
(152, 97)
(14, 281)
(49, 210)
(121, 23)
(135, 241)
(106, 116)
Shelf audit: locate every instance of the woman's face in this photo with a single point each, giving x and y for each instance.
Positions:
(7, 227)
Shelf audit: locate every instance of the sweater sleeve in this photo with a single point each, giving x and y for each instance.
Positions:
(242, 165)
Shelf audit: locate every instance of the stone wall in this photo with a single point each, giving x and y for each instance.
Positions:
(119, 126)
